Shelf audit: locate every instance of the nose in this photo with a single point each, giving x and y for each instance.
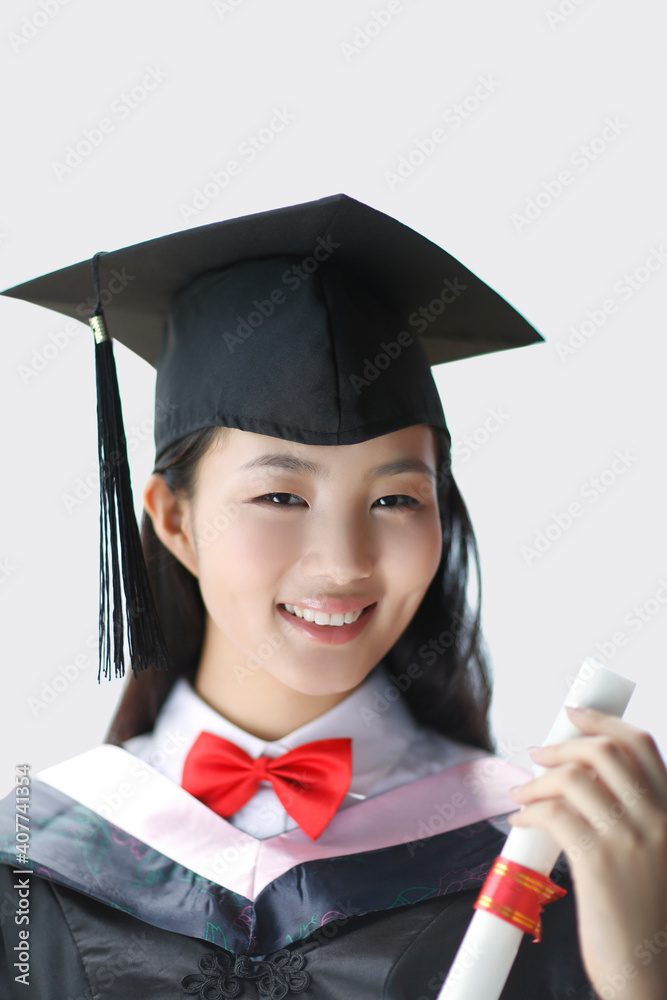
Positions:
(338, 548)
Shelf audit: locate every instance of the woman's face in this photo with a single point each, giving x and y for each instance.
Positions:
(277, 526)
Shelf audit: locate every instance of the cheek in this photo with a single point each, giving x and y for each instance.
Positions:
(420, 542)
(249, 554)
(414, 554)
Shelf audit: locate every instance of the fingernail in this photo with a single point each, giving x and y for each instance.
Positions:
(576, 709)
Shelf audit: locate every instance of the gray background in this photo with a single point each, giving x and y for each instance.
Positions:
(557, 77)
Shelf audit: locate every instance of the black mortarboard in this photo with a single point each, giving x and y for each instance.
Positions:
(315, 323)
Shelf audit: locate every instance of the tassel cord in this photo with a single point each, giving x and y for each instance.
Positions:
(121, 555)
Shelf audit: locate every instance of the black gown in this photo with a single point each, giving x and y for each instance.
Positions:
(113, 918)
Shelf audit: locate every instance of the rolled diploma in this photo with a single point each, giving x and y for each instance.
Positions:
(488, 950)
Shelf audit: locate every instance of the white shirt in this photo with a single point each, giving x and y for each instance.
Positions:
(389, 748)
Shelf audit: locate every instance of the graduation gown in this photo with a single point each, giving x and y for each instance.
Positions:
(154, 895)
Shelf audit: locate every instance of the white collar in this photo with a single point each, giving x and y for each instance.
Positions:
(380, 728)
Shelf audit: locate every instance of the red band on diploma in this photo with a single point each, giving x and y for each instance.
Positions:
(517, 894)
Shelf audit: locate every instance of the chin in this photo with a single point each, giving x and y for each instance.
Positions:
(323, 681)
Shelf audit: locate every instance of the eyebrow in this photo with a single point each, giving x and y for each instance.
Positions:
(288, 463)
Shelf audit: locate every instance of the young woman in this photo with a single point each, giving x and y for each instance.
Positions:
(305, 802)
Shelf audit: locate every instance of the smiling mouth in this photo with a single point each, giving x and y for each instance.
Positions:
(322, 618)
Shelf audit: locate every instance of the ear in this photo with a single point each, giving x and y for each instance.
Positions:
(170, 517)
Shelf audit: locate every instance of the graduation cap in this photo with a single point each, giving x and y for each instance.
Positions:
(315, 323)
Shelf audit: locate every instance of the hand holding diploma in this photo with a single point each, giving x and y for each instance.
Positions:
(600, 796)
(603, 799)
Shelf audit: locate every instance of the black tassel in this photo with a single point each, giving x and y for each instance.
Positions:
(118, 529)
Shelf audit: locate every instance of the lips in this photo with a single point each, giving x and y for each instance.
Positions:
(332, 605)
(329, 634)
(336, 619)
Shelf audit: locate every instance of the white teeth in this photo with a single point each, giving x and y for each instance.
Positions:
(321, 617)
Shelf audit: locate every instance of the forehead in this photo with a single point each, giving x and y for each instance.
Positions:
(409, 449)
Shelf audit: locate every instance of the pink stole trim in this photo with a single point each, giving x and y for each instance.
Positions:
(132, 795)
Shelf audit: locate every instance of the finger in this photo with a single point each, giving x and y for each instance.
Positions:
(622, 773)
(637, 742)
(576, 784)
(569, 830)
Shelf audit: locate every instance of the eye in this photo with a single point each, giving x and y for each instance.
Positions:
(395, 501)
(275, 499)
(399, 502)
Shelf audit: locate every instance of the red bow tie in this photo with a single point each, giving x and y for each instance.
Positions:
(310, 780)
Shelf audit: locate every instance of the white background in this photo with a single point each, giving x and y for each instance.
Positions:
(556, 79)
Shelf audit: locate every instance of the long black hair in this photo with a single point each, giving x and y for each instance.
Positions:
(439, 663)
